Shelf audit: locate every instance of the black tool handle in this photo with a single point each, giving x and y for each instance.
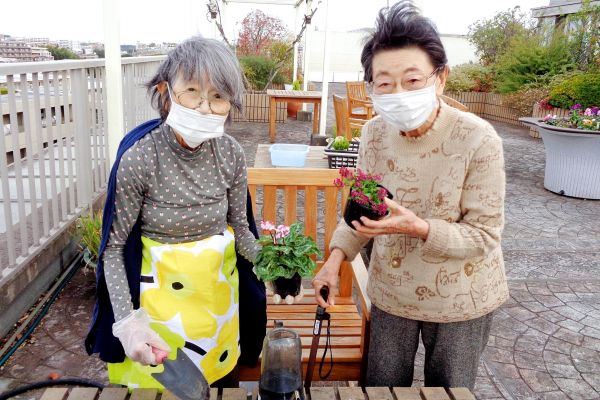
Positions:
(324, 292)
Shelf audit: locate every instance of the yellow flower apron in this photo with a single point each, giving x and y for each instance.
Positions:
(190, 291)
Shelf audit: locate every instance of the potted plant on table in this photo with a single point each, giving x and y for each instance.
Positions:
(366, 197)
(285, 258)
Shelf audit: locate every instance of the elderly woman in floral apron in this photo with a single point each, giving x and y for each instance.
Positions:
(184, 184)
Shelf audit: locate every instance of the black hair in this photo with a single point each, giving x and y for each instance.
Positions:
(399, 26)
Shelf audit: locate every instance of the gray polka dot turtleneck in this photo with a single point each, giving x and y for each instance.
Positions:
(181, 196)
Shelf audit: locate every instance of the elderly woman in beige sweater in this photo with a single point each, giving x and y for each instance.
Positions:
(436, 268)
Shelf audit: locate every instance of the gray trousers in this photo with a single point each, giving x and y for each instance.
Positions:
(452, 350)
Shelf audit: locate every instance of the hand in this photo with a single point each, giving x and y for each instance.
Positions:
(289, 299)
(400, 220)
(328, 276)
(140, 342)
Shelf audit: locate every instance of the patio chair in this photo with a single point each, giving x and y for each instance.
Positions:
(359, 102)
(343, 122)
(285, 195)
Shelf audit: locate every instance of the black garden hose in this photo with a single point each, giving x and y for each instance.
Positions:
(48, 383)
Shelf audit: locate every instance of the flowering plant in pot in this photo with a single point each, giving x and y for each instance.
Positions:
(366, 197)
(285, 258)
(588, 119)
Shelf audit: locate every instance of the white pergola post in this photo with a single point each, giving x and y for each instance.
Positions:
(325, 79)
(114, 80)
(296, 20)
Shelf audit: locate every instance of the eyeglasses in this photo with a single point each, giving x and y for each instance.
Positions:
(412, 81)
(191, 98)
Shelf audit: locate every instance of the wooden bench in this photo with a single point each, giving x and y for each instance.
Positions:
(349, 328)
(316, 393)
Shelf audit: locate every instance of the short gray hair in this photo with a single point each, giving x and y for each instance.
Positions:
(193, 59)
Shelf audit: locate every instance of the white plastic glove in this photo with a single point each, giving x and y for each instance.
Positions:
(139, 341)
(289, 299)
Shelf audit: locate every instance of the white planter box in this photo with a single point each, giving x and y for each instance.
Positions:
(572, 160)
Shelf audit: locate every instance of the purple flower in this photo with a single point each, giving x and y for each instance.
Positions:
(595, 110)
(576, 106)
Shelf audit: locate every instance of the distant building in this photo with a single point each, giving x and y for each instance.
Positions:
(35, 42)
(72, 45)
(41, 54)
(556, 12)
(16, 50)
(128, 49)
(88, 52)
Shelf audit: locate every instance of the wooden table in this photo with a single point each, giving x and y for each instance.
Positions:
(316, 393)
(315, 158)
(297, 96)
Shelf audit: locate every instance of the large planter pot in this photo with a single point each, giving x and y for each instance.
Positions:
(292, 109)
(287, 286)
(354, 211)
(572, 160)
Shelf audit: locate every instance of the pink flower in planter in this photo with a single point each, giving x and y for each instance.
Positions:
(588, 112)
(346, 172)
(282, 231)
(380, 209)
(267, 225)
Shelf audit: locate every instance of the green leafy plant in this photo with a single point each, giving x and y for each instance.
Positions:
(296, 85)
(340, 143)
(583, 88)
(365, 189)
(89, 228)
(285, 251)
(588, 119)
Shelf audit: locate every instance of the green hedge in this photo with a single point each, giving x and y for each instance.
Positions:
(581, 89)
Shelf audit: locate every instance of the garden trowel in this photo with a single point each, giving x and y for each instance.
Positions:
(183, 378)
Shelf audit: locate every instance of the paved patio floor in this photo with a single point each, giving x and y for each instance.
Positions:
(545, 341)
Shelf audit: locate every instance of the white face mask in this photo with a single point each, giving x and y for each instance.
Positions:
(407, 110)
(193, 126)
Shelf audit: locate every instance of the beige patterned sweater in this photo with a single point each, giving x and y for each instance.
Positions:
(453, 177)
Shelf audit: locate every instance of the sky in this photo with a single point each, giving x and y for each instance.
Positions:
(174, 20)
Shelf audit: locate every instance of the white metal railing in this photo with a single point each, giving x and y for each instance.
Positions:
(54, 145)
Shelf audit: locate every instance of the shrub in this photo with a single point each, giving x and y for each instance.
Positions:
(523, 100)
(470, 78)
(258, 69)
(581, 89)
(530, 62)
